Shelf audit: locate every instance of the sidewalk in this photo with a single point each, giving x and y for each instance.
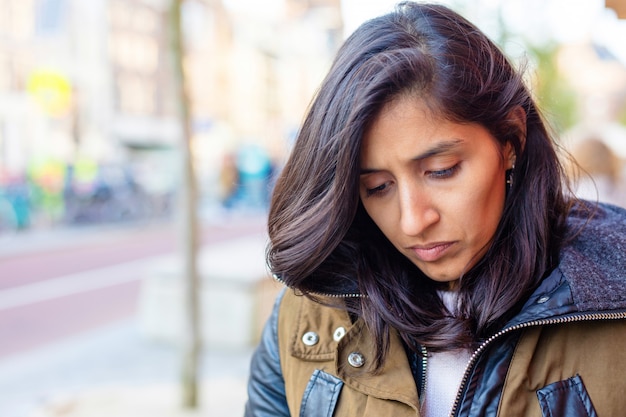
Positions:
(116, 371)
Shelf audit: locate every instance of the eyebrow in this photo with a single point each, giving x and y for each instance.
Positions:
(437, 149)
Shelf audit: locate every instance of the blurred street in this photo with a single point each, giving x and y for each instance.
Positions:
(99, 142)
(69, 329)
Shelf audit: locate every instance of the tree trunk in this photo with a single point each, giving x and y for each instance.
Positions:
(188, 220)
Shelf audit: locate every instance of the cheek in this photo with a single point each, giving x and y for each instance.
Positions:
(485, 205)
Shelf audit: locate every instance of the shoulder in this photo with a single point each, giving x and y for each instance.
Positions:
(602, 219)
(594, 261)
(307, 344)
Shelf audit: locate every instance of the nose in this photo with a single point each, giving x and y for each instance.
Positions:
(417, 211)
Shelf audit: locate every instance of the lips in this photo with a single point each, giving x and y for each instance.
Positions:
(431, 252)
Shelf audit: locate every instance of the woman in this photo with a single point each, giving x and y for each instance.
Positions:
(435, 264)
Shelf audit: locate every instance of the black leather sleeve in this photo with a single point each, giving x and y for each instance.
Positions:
(266, 386)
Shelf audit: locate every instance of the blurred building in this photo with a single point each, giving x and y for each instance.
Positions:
(18, 32)
(253, 70)
(80, 78)
(139, 72)
(91, 79)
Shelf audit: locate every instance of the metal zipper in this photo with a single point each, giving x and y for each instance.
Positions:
(424, 379)
(319, 294)
(483, 346)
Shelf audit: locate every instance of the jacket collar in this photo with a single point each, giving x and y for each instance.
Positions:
(594, 264)
(591, 275)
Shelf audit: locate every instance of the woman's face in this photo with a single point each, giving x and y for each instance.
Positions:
(435, 188)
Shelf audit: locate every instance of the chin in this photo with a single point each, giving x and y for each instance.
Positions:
(444, 279)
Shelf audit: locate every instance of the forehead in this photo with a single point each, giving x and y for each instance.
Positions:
(407, 129)
(406, 118)
(402, 107)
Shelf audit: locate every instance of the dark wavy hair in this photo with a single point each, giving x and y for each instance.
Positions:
(322, 242)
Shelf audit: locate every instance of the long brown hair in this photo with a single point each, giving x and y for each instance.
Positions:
(322, 240)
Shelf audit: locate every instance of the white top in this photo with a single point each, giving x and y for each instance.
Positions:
(444, 372)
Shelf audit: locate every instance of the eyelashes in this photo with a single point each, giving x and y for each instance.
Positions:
(376, 190)
(441, 174)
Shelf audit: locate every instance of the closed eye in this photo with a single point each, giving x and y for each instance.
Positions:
(443, 173)
(376, 190)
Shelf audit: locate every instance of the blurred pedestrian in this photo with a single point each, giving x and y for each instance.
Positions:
(254, 166)
(229, 181)
(436, 264)
(602, 173)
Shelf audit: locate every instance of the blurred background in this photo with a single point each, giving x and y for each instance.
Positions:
(93, 156)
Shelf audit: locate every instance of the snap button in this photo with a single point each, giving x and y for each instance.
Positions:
(356, 360)
(543, 299)
(340, 332)
(310, 338)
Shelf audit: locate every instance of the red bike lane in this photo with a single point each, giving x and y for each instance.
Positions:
(31, 324)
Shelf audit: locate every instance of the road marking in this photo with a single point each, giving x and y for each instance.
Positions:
(215, 258)
(75, 283)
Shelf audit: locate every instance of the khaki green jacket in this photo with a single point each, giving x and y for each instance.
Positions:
(595, 351)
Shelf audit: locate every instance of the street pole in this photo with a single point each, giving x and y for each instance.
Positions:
(188, 219)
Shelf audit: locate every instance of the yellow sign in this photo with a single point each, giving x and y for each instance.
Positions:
(52, 90)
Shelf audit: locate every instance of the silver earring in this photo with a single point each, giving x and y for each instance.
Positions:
(509, 177)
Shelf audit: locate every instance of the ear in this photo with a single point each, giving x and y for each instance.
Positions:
(509, 156)
(517, 120)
